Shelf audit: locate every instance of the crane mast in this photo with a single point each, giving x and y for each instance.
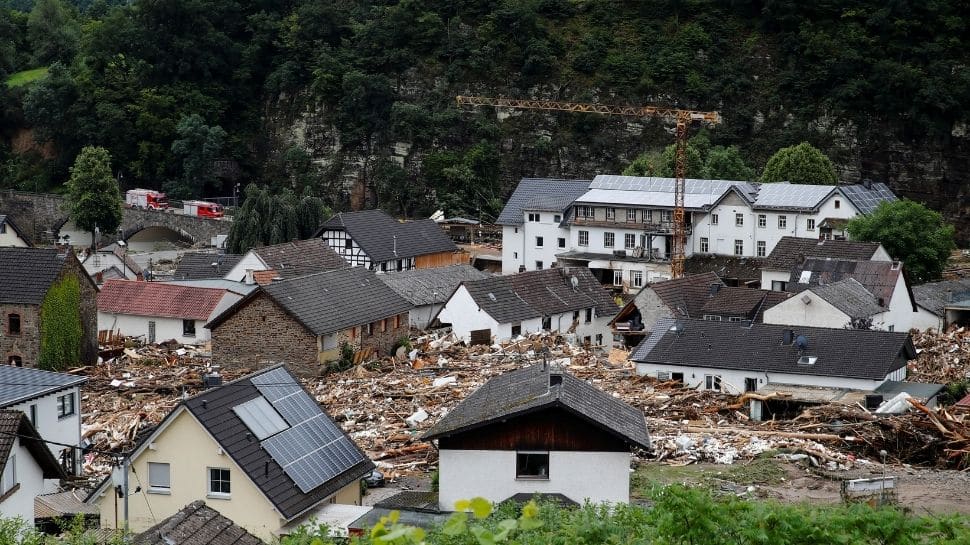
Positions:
(682, 118)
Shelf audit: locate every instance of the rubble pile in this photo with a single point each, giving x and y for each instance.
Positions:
(388, 404)
(942, 357)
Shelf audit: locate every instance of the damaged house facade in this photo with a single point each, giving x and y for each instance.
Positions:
(621, 227)
(567, 300)
(700, 296)
(27, 277)
(375, 241)
(537, 430)
(305, 321)
(790, 252)
(287, 260)
(428, 289)
(262, 450)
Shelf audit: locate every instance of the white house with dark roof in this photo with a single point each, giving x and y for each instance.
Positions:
(567, 300)
(791, 251)
(429, 289)
(621, 226)
(948, 301)
(376, 241)
(52, 403)
(537, 430)
(26, 466)
(739, 357)
(286, 260)
(262, 451)
(10, 235)
(110, 262)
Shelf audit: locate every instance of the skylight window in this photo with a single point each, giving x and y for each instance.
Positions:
(260, 417)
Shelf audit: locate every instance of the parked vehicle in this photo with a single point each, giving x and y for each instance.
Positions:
(202, 209)
(146, 199)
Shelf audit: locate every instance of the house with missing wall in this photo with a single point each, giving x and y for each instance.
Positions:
(428, 289)
(52, 403)
(790, 252)
(158, 312)
(26, 465)
(263, 451)
(947, 300)
(567, 300)
(702, 296)
(287, 260)
(737, 357)
(882, 283)
(10, 235)
(305, 321)
(376, 241)
(27, 276)
(111, 262)
(537, 430)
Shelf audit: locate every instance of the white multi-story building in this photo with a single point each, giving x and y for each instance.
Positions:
(621, 227)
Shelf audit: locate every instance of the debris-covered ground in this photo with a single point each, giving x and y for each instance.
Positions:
(386, 405)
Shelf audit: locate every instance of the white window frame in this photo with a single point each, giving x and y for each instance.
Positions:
(584, 212)
(610, 214)
(761, 248)
(810, 224)
(528, 477)
(556, 218)
(159, 486)
(209, 481)
(540, 241)
(762, 220)
(712, 382)
(705, 245)
(738, 219)
(734, 318)
(631, 215)
(539, 265)
(636, 279)
(609, 239)
(666, 216)
(535, 217)
(561, 242)
(783, 222)
(712, 317)
(738, 246)
(617, 277)
(714, 219)
(629, 241)
(583, 238)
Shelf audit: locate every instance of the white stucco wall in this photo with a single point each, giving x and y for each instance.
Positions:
(9, 237)
(512, 256)
(165, 328)
(732, 380)
(248, 261)
(817, 313)
(925, 319)
(65, 430)
(596, 476)
(31, 479)
(102, 261)
(462, 312)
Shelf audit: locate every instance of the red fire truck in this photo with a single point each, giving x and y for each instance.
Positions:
(202, 209)
(146, 199)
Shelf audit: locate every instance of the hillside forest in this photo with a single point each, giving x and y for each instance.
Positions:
(354, 101)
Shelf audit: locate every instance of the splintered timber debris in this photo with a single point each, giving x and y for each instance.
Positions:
(387, 404)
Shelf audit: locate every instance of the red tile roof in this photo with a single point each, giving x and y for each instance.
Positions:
(157, 299)
(964, 403)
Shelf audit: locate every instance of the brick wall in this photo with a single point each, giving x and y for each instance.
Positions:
(381, 338)
(262, 333)
(26, 345)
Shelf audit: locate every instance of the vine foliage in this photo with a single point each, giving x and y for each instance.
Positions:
(61, 331)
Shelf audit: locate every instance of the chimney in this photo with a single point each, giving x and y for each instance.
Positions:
(249, 277)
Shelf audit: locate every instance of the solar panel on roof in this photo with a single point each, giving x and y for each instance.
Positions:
(260, 417)
(312, 452)
(276, 384)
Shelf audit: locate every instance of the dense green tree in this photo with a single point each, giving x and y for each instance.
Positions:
(94, 199)
(645, 164)
(53, 32)
(910, 232)
(197, 146)
(801, 164)
(266, 218)
(726, 163)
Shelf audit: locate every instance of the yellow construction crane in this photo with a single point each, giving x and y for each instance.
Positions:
(682, 118)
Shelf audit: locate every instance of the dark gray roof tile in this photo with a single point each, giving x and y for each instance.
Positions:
(300, 258)
(529, 389)
(850, 297)
(196, 524)
(936, 295)
(541, 194)
(202, 265)
(383, 238)
(18, 384)
(759, 348)
(27, 273)
(430, 286)
(789, 251)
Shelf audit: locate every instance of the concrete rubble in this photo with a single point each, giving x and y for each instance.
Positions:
(387, 405)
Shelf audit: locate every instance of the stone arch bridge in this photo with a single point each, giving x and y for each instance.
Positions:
(39, 216)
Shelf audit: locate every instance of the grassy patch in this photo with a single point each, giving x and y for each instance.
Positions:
(762, 471)
(26, 76)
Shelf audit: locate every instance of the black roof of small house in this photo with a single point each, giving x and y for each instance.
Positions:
(430, 286)
(329, 301)
(529, 390)
(19, 384)
(848, 353)
(791, 251)
(934, 296)
(201, 266)
(196, 524)
(300, 257)
(27, 273)
(15, 424)
(533, 294)
(383, 238)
